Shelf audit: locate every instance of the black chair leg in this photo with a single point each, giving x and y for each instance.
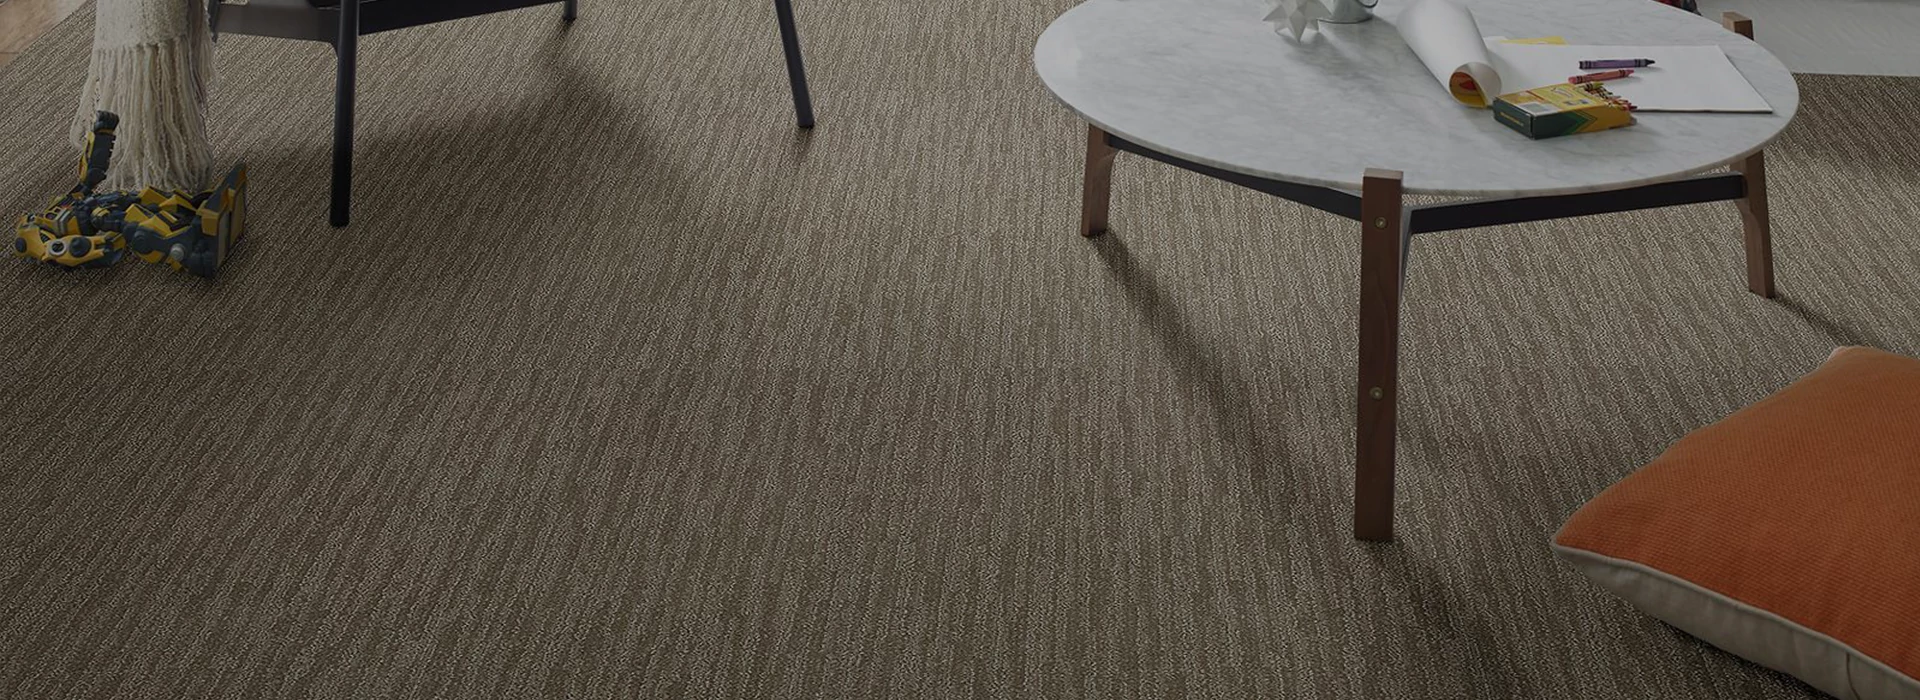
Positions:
(572, 11)
(347, 50)
(796, 70)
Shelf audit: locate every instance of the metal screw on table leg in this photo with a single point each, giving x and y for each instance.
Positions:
(1380, 222)
(1377, 394)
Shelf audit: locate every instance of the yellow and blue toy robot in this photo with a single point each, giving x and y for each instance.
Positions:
(192, 233)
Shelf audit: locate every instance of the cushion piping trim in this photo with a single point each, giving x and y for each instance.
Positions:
(1898, 676)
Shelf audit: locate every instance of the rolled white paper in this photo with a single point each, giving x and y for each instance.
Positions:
(1448, 41)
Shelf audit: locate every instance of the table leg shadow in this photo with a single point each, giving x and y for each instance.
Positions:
(1193, 362)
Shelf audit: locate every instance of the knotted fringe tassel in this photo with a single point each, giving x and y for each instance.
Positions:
(158, 86)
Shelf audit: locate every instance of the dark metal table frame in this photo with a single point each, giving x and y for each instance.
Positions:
(343, 25)
(1387, 228)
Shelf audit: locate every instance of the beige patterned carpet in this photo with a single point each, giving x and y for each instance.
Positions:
(621, 387)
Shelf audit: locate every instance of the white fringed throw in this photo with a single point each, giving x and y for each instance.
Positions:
(152, 60)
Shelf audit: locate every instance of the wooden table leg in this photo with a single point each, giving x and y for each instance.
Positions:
(1753, 207)
(1737, 23)
(1098, 187)
(1381, 209)
(1758, 229)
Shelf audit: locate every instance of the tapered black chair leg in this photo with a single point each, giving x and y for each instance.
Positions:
(796, 68)
(572, 11)
(347, 50)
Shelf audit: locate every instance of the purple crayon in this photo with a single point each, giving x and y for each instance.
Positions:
(1604, 63)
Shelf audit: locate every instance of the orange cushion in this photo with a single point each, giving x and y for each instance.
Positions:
(1788, 533)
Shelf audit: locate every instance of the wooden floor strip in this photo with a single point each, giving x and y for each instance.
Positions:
(22, 21)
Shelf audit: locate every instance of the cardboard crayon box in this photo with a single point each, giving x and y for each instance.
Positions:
(1559, 110)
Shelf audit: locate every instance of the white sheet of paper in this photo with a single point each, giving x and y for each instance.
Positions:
(1681, 79)
(1448, 41)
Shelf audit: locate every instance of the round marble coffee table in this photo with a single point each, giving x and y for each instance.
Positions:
(1349, 121)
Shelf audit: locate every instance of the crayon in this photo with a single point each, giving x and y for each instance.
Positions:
(1604, 63)
(1603, 75)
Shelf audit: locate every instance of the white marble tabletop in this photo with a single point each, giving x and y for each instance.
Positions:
(1208, 81)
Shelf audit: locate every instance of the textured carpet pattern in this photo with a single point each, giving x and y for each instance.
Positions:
(621, 387)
